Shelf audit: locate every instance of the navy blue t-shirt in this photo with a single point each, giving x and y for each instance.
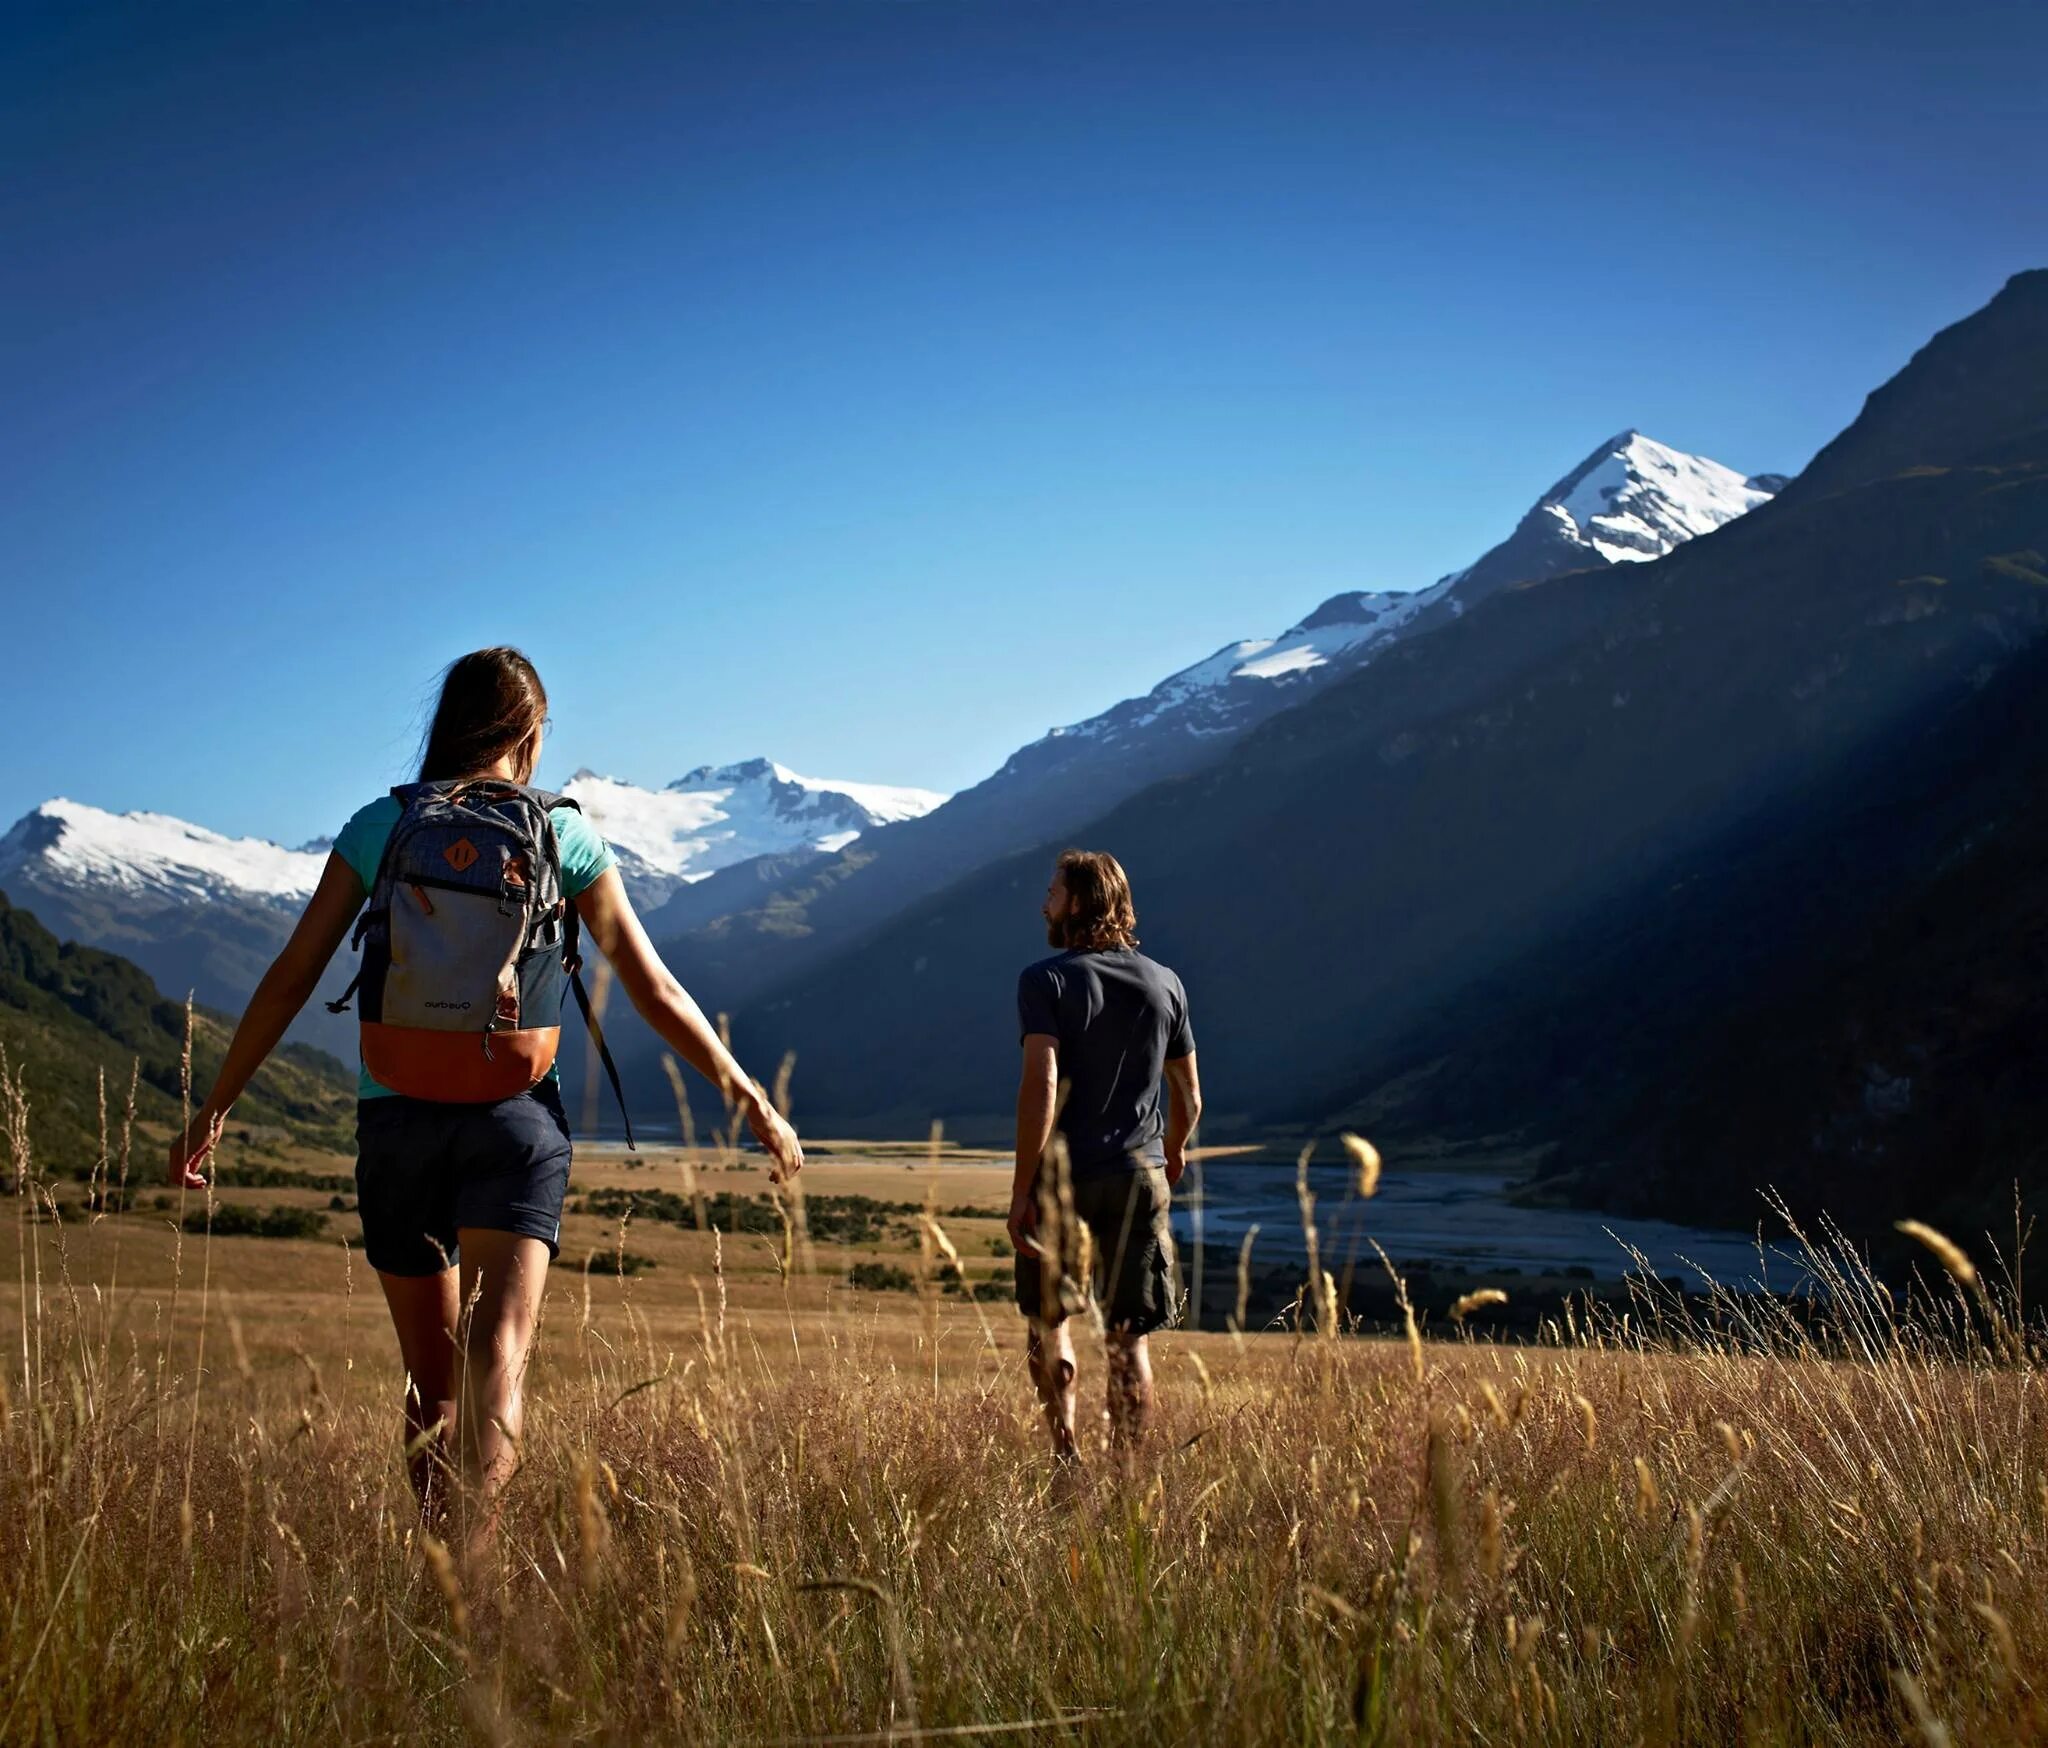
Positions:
(1119, 1017)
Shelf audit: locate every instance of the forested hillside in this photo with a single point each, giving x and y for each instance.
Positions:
(72, 1017)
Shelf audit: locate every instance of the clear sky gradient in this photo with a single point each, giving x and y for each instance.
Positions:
(874, 386)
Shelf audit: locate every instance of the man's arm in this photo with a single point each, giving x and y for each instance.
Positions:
(1183, 1112)
(1037, 1091)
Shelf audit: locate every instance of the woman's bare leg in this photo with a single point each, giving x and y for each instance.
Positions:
(503, 1276)
(423, 1312)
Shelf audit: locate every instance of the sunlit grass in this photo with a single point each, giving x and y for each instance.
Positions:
(790, 1514)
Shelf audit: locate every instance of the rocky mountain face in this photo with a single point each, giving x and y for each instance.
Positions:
(761, 923)
(1353, 878)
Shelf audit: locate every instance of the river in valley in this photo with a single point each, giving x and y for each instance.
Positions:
(1458, 1219)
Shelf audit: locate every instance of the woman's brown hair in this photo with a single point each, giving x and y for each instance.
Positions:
(1102, 915)
(491, 703)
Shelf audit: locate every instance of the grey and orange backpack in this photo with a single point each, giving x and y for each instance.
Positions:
(467, 943)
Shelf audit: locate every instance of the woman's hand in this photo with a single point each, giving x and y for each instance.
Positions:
(777, 1137)
(189, 1150)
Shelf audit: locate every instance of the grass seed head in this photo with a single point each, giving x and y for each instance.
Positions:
(1467, 1303)
(2001, 1635)
(1730, 1442)
(1646, 1492)
(441, 1568)
(1492, 1542)
(1931, 1729)
(1947, 1252)
(1365, 1163)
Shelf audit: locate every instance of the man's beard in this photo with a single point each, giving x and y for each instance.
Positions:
(1056, 933)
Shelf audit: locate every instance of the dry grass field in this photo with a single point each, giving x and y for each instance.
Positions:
(759, 1503)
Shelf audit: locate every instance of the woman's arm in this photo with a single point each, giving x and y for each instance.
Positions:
(665, 1005)
(292, 976)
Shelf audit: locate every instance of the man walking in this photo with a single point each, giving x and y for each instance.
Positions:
(1096, 1160)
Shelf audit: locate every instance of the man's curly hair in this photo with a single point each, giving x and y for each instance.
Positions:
(1103, 915)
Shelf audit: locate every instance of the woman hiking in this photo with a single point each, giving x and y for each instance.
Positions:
(478, 889)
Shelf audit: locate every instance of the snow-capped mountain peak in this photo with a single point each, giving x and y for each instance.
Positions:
(717, 815)
(1634, 499)
(881, 802)
(663, 837)
(152, 855)
(1631, 500)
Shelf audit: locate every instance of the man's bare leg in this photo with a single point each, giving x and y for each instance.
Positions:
(1050, 1350)
(1130, 1389)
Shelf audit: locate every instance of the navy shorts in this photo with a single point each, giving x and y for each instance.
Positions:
(426, 1170)
(1134, 1275)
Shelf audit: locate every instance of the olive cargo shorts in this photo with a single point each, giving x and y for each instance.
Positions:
(1133, 1275)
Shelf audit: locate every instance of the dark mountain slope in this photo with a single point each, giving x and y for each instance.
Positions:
(1889, 1062)
(1356, 863)
(1977, 391)
(1831, 999)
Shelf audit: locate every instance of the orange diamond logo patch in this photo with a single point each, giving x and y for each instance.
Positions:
(460, 855)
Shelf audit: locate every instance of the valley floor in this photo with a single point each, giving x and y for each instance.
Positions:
(768, 1507)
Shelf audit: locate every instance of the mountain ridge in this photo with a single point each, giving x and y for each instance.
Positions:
(205, 912)
(755, 925)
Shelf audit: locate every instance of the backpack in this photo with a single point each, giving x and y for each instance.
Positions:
(466, 945)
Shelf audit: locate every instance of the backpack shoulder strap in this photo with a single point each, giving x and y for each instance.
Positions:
(611, 1068)
(355, 944)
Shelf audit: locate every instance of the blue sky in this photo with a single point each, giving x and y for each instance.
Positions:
(873, 386)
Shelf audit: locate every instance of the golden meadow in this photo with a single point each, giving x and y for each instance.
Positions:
(757, 1505)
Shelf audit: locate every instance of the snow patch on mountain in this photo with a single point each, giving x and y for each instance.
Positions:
(718, 815)
(1218, 694)
(152, 855)
(1638, 500)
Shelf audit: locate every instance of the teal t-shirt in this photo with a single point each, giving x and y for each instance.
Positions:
(585, 858)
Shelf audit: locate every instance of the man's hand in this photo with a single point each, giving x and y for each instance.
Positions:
(189, 1150)
(1176, 1166)
(1023, 1222)
(777, 1137)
